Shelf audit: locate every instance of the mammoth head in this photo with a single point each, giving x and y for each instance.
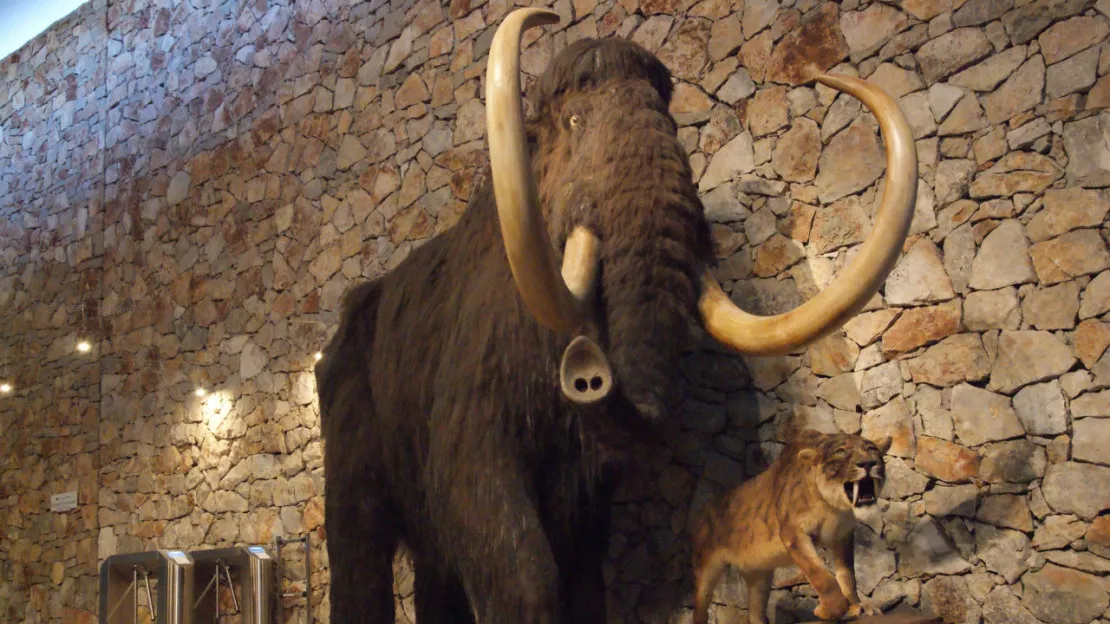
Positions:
(614, 139)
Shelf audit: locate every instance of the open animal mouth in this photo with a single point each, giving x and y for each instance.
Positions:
(862, 492)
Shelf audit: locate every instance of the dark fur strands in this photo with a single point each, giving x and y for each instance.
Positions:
(440, 406)
(655, 238)
(587, 63)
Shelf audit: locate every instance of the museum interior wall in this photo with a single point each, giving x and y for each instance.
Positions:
(190, 186)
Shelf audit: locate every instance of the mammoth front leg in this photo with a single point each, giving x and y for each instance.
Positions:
(362, 537)
(580, 557)
(439, 598)
(502, 555)
(584, 584)
(833, 604)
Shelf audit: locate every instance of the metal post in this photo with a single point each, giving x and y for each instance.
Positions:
(230, 586)
(178, 590)
(307, 581)
(280, 564)
(307, 592)
(262, 583)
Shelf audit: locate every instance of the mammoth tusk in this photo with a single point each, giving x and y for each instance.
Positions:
(580, 263)
(523, 229)
(832, 307)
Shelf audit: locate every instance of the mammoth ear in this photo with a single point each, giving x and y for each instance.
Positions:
(884, 444)
(808, 455)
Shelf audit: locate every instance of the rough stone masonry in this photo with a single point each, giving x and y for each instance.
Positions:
(191, 185)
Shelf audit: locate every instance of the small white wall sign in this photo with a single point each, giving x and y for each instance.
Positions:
(64, 501)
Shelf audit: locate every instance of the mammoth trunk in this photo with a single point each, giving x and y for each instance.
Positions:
(649, 292)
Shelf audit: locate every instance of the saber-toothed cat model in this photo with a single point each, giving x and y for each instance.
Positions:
(804, 500)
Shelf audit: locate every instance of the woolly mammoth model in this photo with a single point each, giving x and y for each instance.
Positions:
(475, 399)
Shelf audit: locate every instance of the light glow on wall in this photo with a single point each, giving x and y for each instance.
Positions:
(5, 388)
(215, 407)
(23, 20)
(84, 346)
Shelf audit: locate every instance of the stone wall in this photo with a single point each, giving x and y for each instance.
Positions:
(51, 259)
(194, 184)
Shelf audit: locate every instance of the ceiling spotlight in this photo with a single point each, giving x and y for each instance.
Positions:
(200, 392)
(318, 356)
(5, 388)
(83, 346)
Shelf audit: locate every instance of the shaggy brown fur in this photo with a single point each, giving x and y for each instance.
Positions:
(439, 398)
(804, 500)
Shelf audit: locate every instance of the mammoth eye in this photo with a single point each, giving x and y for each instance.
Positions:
(575, 120)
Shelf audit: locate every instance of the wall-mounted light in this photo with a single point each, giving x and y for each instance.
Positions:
(318, 356)
(5, 388)
(200, 392)
(84, 346)
(215, 408)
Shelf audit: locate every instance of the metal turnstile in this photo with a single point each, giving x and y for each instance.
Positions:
(246, 574)
(132, 575)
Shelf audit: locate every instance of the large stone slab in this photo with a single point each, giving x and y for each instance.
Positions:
(1079, 252)
(920, 326)
(1087, 143)
(1077, 488)
(1003, 607)
(949, 598)
(796, 152)
(1054, 307)
(929, 551)
(1003, 258)
(1029, 20)
(1020, 92)
(895, 420)
(990, 73)
(1026, 357)
(1016, 172)
(817, 44)
(1012, 461)
(992, 309)
(853, 160)
(1065, 38)
(953, 360)
(919, 277)
(734, 158)
(1062, 596)
(1065, 210)
(982, 416)
(1091, 440)
(951, 52)
(1041, 409)
(945, 460)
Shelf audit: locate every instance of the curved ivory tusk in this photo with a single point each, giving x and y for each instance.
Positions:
(523, 229)
(580, 263)
(832, 307)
